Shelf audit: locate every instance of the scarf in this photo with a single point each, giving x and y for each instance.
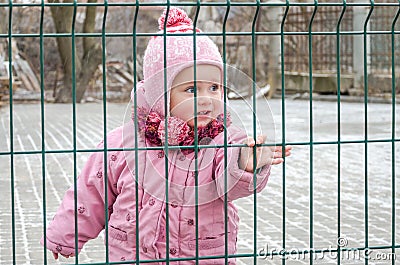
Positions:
(152, 127)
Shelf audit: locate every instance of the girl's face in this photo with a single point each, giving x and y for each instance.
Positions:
(209, 95)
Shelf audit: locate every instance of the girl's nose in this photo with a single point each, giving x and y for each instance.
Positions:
(203, 100)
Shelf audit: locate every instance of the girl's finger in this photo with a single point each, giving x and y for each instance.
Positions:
(261, 139)
(287, 148)
(249, 142)
(276, 161)
(55, 255)
(277, 155)
(277, 149)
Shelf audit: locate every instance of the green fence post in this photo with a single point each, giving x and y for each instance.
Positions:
(283, 127)
(166, 110)
(105, 147)
(10, 85)
(310, 65)
(134, 49)
(366, 125)
(338, 69)
(74, 128)
(224, 60)
(43, 129)
(394, 134)
(254, 77)
(196, 139)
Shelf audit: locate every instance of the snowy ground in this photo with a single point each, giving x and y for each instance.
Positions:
(360, 166)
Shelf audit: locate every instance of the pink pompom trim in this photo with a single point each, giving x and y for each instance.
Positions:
(152, 127)
(176, 16)
(177, 131)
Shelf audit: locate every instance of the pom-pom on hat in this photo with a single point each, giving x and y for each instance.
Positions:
(176, 17)
(179, 55)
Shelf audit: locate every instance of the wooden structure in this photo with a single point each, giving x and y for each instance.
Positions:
(23, 75)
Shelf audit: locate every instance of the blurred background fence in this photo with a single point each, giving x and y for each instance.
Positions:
(296, 27)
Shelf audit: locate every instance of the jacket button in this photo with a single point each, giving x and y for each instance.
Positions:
(59, 248)
(174, 205)
(122, 258)
(193, 174)
(144, 249)
(113, 157)
(151, 202)
(161, 154)
(172, 251)
(182, 157)
(81, 209)
(99, 174)
(128, 217)
(190, 222)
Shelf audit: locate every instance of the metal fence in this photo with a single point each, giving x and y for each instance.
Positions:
(324, 45)
(302, 34)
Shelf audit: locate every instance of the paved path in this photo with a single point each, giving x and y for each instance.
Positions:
(28, 185)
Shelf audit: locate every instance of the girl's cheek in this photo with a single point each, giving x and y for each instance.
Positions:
(218, 104)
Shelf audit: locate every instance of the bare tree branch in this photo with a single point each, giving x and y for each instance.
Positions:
(89, 26)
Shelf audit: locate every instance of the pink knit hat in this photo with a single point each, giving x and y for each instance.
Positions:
(179, 55)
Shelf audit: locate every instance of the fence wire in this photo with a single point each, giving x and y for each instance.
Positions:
(316, 39)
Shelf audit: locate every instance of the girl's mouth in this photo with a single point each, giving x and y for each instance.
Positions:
(204, 113)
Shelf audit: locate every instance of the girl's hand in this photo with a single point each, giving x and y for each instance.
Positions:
(55, 255)
(265, 154)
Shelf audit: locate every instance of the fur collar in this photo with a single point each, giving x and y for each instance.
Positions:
(152, 127)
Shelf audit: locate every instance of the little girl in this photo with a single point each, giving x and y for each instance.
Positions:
(149, 175)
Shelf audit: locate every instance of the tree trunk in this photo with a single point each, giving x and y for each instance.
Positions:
(92, 53)
(89, 66)
(3, 30)
(88, 27)
(3, 18)
(85, 67)
(254, 54)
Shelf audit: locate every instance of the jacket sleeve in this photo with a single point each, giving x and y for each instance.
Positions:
(240, 183)
(60, 234)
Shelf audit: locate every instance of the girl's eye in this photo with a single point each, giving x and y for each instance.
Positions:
(214, 88)
(190, 89)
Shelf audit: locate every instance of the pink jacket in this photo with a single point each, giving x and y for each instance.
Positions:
(121, 179)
